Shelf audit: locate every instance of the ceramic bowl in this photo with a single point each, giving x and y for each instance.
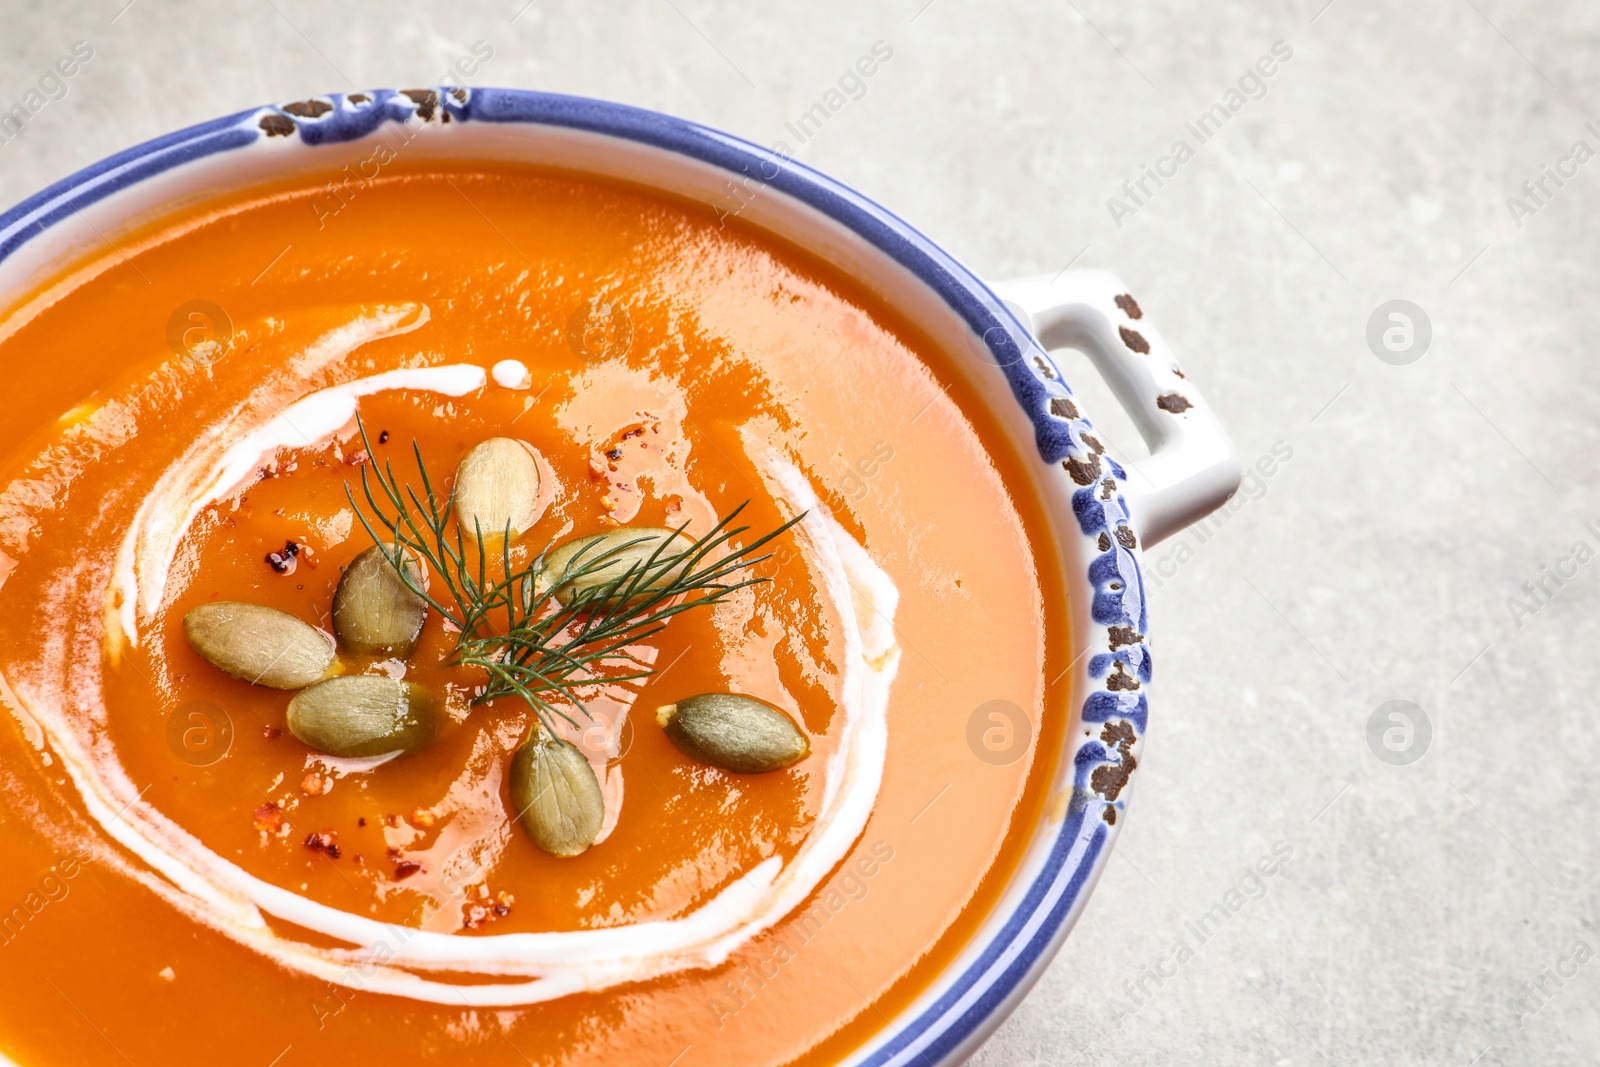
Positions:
(1101, 520)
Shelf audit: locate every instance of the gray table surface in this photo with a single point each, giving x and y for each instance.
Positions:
(1423, 903)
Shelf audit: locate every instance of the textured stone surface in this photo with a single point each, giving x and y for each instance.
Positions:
(1420, 901)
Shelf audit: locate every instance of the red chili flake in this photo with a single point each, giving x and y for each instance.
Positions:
(405, 869)
(636, 432)
(383, 437)
(271, 733)
(269, 818)
(361, 820)
(325, 842)
(391, 821)
(356, 459)
(395, 855)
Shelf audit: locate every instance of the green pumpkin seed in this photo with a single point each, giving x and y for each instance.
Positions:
(581, 556)
(364, 715)
(556, 795)
(257, 644)
(374, 611)
(736, 733)
(497, 487)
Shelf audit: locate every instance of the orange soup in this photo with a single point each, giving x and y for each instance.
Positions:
(549, 868)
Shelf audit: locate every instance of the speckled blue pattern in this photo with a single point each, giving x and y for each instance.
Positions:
(1117, 674)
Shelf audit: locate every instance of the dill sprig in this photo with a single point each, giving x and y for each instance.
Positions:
(510, 623)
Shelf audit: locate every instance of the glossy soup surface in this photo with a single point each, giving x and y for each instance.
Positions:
(665, 356)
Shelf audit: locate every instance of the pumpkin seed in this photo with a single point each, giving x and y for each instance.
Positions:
(364, 715)
(556, 795)
(497, 487)
(583, 553)
(257, 644)
(374, 611)
(736, 733)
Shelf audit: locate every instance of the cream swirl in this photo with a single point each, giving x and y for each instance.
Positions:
(396, 959)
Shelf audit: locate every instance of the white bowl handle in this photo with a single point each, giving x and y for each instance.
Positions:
(1192, 469)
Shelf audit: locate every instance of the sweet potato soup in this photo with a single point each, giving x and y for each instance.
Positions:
(510, 619)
